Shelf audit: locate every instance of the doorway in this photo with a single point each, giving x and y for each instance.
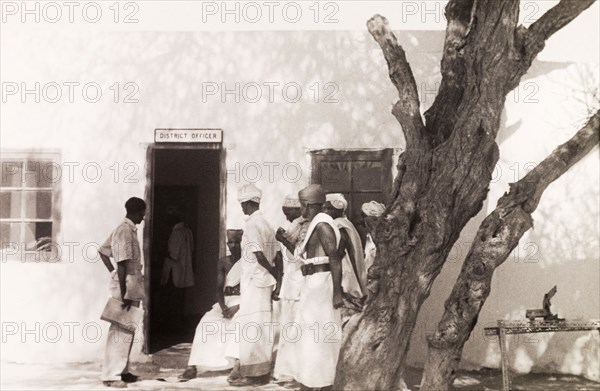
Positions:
(187, 179)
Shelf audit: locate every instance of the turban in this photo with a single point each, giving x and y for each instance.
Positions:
(373, 208)
(249, 193)
(291, 201)
(312, 194)
(337, 200)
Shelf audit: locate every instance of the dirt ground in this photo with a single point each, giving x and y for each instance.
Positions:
(169, 363)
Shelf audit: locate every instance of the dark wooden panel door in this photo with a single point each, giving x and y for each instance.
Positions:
(362, 176)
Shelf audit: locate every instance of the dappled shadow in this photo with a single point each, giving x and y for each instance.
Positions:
(345, 103)
(174, 71)
(550, 105)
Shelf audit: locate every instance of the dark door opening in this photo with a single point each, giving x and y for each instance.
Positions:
(188, 180)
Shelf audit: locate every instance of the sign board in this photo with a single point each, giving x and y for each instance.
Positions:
(188, 136)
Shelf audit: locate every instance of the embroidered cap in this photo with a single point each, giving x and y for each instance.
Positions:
(337, 200)
(249, 193)
(291, 201)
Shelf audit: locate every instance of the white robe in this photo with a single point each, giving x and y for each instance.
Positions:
(320, 325)
(286, 363)
(180, 245)
(370, 252)
(256, 308)
(216, 341)
(353, 284)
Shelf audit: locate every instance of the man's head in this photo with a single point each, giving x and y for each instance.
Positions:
(249, 207)
(136, 209)
(291, 207)
(335, 205)
(174, 214)
(311, 199)
(371, 209)
(234, 240)
(249, 197)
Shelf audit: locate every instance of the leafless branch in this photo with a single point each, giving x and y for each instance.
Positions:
(407, 109)
(555, 19)
(497, 236)
(528, 190)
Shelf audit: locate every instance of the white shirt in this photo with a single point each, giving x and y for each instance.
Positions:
(258, 236)
(122, 244)
(181, 245)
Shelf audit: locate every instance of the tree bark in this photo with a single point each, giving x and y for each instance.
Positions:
(498, 235)
(443, 175)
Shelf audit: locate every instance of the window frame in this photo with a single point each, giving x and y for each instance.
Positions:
(52, 253)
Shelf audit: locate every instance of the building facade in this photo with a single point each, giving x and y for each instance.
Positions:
(282, 110)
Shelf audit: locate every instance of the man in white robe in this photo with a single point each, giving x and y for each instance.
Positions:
(178, 262)
(354, 273)
(320, 322)
(285, 365)
(216, 341)
(259, 249)
(371, 209)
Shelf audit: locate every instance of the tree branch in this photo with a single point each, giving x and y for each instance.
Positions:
(407, 109)
(558, 17)
(460, 16)
(528, 191)
(555, 19)
(498, 235)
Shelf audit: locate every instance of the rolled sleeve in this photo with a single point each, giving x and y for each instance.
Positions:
(105, 248)
(122, 244)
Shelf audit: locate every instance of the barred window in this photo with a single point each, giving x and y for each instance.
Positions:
(29, 214)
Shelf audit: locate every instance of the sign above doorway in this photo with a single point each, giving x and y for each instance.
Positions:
(188, 136)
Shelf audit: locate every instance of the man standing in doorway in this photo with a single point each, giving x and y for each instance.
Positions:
(321, 295)
(178, 262)
(259, 249)
(123, 246)
(177, 272)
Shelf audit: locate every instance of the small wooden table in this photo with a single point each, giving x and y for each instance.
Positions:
(537, 326)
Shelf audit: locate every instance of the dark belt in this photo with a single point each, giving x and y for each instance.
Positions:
(232, 290)
(310, 268)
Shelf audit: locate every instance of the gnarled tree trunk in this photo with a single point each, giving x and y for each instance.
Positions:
(443, 175)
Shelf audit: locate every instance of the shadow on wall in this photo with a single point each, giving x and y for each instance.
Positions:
(175, 72)
(561, 352)
(172, 71)
(561, 249)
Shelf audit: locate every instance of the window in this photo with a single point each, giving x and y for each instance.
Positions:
(29, 191)
(361, 175)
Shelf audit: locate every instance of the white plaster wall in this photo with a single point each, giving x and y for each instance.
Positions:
(562, 249)
(169, 69)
